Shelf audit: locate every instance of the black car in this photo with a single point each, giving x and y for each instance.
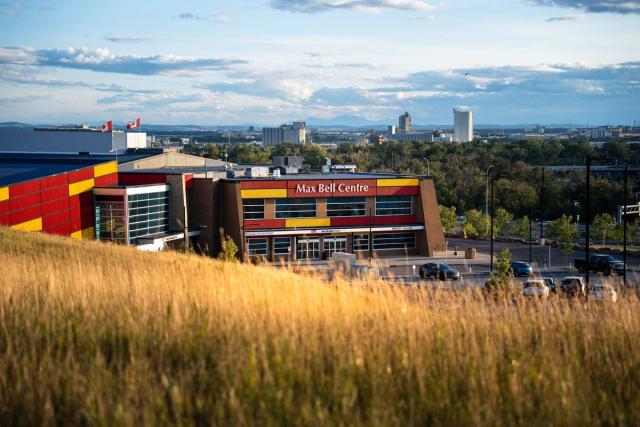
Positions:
(438, 271)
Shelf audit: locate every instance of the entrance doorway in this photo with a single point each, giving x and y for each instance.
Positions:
(307, 248)
(333, 244)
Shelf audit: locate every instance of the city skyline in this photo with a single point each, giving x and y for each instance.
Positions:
(269, 62)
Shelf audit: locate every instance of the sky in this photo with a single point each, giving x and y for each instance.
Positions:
(266, 62)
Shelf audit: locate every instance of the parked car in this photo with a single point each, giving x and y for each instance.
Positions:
(573, 286)
(520, 268)
(438, 271)
(550, 283)
(598, 292)
(535, 288)
(601, 263)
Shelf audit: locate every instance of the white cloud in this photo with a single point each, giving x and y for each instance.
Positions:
(596, 6)
(314, 6)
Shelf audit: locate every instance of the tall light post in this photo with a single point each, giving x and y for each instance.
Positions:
(486, 194)
(428, 166)
(587, 218)
(491, 226)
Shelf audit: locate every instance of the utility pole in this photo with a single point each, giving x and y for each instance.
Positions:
(530, 240)
(486, 194)
(587, 220)
(624, 225)
(542, 205)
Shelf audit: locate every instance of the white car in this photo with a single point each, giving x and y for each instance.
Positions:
(598, 292)
(573, 286)
(535, 288)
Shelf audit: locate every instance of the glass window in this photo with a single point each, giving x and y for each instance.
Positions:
(258, 247)
(360, 242)
(282, 245)
(296, 208)
(393, 205)
(389, 241)
(148, 215)
(346, 206)
(253, 208)
(110, 219)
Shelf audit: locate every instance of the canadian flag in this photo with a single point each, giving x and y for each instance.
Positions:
(134, 124)
(107, 127)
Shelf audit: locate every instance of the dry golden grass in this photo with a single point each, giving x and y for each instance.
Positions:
(93, 334)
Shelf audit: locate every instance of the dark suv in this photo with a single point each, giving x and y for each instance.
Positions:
(520, 268)
(438, 271)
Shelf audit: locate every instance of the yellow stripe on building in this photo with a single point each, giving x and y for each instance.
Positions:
(33, 225)
(81, 187)
(105, 169)
(264, 193)
(4, 193)
(399, 182)
(307, 222)
(87, 233)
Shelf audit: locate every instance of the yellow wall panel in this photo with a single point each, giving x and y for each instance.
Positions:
(4, 193)
(399, 182)
(85, 234)
(105, 169)
(264, 193)
(33, 225)
(80, 187)
(308, 222)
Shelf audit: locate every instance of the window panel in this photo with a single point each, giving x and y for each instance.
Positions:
(258, 247)
(253, 208)
(296, 208)
(360, 242)
(346, 206)
(282, 245)
(390, 241)
(393, 205)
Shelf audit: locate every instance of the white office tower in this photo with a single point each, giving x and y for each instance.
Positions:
(296, 133)
(462, 125)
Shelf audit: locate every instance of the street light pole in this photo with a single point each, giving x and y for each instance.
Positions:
(587, 222)
(491, 226)
(428, 166)
(486, 194)
(624, 225)
(530, 240)
(542, 205)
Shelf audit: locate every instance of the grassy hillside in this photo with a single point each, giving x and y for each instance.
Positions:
(97, 334)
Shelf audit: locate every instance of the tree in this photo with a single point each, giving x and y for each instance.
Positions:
(477, 222)
(503, 265)
(229, 250)
(565, 231)
(603, 225)
(521, 227)
(502, 221)
(448, 218)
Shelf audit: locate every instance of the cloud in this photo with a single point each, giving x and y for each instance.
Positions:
(596, 6)
(102, 60)
(315, 6)
(565, 18)
(18, 8)
(23, 99)
(32, 76)
(286, 89)
(114, 39)
(218, 17)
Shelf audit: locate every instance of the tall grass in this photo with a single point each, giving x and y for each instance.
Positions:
(93, 334)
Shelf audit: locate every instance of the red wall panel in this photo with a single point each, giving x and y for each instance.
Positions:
(50, 221)
(60, 229)
(25, 201)
(54, 193)
(141, 178)
(24, 215)
(4, 207)
(5, 219)
(54, 181)
(345, 221)
(188, 180)
(75, 224)
(106, 180)
(80, 175)
(74, 201)
(397, 191)
(24, 188)
(86, 198)
(55, 206)
(253, 224)
(396, 219)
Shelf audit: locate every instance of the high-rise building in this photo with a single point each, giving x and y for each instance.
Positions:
(462, 125)
(404, 123)
(296, 133)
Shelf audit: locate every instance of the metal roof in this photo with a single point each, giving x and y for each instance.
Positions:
(322, 176)
(20, 167)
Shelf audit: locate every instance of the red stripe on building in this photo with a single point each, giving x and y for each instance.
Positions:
(141, 178)
(5, 219)
(344, 221)
(55, 194)
(253, 224)
(55, 206)
(54, 220)
(54, 181)
(397, 191)
(257, 185)
(24, 215)
(106, 180)
(188, 180)
(4, 207)
(26, 201)
(59, 229)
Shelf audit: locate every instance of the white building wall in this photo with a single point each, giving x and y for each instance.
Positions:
(462, 125)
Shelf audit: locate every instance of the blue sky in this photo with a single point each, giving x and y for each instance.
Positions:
(271, 61)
